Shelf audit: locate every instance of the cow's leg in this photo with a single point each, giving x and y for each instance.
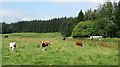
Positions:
(43, 49)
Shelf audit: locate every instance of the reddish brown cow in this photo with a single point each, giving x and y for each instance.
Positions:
(79, 44)
(45, 43)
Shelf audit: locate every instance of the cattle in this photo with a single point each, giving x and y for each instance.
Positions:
(64, 38)
(79, 44)
(12, 46)
(90, 38)
(45, 44)
(6, 36)
(95, 37)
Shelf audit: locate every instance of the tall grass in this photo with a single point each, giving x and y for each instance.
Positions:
(29, 50)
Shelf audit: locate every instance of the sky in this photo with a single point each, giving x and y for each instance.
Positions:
(12, 11)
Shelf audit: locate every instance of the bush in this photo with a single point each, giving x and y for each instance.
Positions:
(83, 29)
(118, 34)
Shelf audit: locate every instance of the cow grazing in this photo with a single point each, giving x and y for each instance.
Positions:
(12, 46)
(64, 38)
(90, 38)
(45, 44)
(96, 37)
(79, 44)
(6, 36)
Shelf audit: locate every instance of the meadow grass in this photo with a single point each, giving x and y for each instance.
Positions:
(0, 49)
(29, 50)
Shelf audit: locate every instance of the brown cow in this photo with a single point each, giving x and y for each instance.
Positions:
(45, 44)
(79, 44)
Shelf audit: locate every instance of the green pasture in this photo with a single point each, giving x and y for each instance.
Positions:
(29, 51)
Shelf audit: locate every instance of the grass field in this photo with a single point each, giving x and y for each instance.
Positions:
(0, 50)
(29, 50)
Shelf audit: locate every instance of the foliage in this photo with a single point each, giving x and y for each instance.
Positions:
(80, 16)
(67, 26)
(105, 21)
(91, 15)
(83, 29)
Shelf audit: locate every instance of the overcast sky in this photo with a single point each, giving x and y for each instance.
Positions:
(13, 11)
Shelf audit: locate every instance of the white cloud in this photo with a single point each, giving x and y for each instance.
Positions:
(5, 12)
(27, 19)
(11, 15)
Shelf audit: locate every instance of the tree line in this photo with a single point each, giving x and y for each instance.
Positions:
(40, 26)
(105, 21)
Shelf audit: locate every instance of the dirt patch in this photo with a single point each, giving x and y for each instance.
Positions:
(108, 45)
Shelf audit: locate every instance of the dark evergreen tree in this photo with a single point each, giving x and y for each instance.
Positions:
(3, 28)
(80, 16)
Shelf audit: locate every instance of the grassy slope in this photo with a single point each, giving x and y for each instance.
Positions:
(0, 49)
(60, 52)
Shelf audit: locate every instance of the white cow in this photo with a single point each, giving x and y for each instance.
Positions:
(96, 37)
(12, 46)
